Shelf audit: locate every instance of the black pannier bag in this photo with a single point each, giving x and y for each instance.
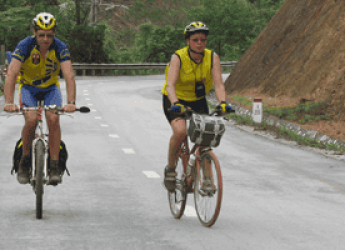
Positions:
(18, 151)
(205, 130)
(63, 155)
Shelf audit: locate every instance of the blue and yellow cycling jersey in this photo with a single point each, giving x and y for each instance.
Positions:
(35, 70)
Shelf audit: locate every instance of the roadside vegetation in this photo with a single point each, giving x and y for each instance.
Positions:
(299, 115)
(157, 34)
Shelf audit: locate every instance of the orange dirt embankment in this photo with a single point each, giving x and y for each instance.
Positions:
(298, 57)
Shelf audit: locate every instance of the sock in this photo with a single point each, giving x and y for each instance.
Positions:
(54, 162)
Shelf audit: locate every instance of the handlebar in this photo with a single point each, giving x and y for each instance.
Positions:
(188, 112)
(59, 111)
(82, 109)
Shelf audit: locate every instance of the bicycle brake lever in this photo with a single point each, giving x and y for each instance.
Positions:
(12, 114)
(67, 115)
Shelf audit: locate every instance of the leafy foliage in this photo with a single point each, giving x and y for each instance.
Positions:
(84, 42)
(234, 26)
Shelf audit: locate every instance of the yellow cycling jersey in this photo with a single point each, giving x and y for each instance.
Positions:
(189, 73)
(35, 70)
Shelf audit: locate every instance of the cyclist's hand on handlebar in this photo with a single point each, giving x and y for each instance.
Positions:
(224, 107)
(11, 108)
(69, 108)
(178, 107)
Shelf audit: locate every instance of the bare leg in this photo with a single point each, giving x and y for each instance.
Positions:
(179, 133)
(54, 134)
(28, 132)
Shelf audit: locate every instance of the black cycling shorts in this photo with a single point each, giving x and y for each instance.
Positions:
(199, 106)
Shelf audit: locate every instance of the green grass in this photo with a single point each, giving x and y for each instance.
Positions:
(282, 132)
(301, 114)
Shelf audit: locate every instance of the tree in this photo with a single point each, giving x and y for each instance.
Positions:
(16, 16)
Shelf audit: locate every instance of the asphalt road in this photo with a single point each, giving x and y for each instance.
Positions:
(275, 196)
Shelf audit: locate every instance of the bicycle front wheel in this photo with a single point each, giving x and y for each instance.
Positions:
(39, 164)
(208, 200)
(177, 199)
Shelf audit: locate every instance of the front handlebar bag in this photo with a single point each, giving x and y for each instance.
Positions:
(205, 130)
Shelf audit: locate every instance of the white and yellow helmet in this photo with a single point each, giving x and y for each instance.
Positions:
(44, 21)
(194, 27)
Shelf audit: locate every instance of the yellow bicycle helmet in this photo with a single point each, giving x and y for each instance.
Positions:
(194, 27)
(44, 21)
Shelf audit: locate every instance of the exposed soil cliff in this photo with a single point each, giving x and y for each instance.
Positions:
(298, 57)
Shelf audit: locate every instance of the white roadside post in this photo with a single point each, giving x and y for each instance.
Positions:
(257, 111)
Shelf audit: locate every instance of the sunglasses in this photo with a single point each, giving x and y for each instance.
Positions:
(197, 40)
(47, 35)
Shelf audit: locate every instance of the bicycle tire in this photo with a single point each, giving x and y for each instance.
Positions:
(202, 202)
(39, 164)
(178, 199)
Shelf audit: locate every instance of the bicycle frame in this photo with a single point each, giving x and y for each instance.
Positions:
(44, 137)
(197, 150)
(190, 179)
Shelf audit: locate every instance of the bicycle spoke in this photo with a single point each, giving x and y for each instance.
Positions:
(208, 201)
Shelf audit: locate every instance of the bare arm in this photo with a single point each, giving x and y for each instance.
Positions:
(173, 73)
(68, 74)
(217, 79)
(10, 82)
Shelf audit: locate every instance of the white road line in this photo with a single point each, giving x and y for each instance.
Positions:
(87, 99)
(128, 151)
(113, 136)
(93, 110)
(190, 211)
(89, 104)
(98, 117)
(151, 174)
(85, 90)
(86, 94)
(104, 125)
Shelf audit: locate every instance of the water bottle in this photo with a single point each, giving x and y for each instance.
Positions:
(190, 164)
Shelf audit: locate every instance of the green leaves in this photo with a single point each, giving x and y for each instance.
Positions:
(16, 17)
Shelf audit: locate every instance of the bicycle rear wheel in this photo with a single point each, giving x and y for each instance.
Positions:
(178, 199)
(208, 203)
(39, 164)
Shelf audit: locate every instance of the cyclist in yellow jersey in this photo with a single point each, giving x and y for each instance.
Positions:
(37, 60)
(189, 77)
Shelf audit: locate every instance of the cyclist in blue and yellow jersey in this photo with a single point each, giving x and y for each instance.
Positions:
(37, 59)
(189, 77)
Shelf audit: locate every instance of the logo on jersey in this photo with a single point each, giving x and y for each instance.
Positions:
(64, 53)
(51, 66)
(18, 53)
(36, 59)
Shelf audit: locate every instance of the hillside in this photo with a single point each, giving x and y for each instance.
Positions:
(299, 57)
(116, 16)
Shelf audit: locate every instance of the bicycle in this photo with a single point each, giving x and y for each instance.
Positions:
(191, 167)
(39, 174)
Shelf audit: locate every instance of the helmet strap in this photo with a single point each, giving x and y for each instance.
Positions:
(196, 52)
